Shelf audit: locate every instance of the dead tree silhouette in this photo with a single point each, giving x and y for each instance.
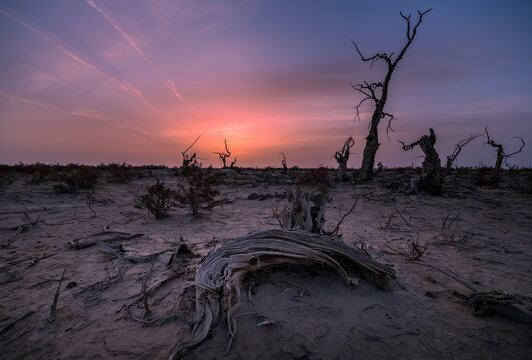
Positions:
(224, 155)
(188, 159)
(342, 157)
(377, 93)
(430, 181)
(457, 150)
(501, 155)
(285, 168)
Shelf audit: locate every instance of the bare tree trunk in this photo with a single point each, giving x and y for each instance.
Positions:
(285, 168)
(430, 181)
(368, 156)
(370, 92)
(342, 157)
(431, 169)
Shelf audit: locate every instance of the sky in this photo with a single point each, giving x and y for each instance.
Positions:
(96, 81)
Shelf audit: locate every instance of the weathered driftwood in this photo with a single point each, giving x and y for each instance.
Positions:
(302, 215)
(500, 303)
(219, 278)
(104, 237)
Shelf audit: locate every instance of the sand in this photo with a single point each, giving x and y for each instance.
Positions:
(287, 312)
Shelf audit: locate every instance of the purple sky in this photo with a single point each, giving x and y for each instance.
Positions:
(137, 81)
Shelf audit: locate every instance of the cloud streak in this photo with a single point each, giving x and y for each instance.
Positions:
(139, 51)
(76, 56)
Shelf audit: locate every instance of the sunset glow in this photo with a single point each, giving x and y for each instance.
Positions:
(119, 81)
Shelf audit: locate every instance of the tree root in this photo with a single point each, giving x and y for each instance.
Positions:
(219, 278)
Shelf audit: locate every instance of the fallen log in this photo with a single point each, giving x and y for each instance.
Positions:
(219, 278)
(103, 237)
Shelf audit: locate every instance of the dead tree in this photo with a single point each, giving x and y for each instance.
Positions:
(377, 93)
(457, 149)
(501, 155)
(285, 168)
(430, 181)
(224, 155)
(342, 157)
(188, 159)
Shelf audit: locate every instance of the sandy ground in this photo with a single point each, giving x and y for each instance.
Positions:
(288, 312)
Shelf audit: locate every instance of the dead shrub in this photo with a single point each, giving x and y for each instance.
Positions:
(123, 174)
(197, 190)
(158, 200)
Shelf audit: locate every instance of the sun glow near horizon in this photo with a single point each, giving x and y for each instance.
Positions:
(139, 82)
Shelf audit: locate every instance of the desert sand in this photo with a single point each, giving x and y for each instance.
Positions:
(477, 238)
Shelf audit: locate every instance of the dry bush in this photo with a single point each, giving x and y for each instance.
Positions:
(485, 176)
(158, 200)
(39, 172)
(198, 189)
(317, 176)
(81, 177)
(123, 174)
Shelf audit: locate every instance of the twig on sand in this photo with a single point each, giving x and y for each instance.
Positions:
(448, 273)
(8, 326)
(51, 318)
(337, 227)
(145, 292)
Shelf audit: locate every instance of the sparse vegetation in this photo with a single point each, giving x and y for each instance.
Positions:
(197, 190)
(158, 200)
(81, 177)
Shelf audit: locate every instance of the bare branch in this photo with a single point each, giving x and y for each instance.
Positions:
(389, 126)
(184, 152)
(457, 149)
(373, 58)
(520, 149)
(337, 227)
(410, 36)
(188, 159)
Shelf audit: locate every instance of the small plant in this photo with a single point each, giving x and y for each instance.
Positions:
(197, 190)
(414, 250)
(159, 200)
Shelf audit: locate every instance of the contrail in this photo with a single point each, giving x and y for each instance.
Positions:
(128, 38)
(51, 39)
(58, 44)
(97, 116)
(90, 115)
